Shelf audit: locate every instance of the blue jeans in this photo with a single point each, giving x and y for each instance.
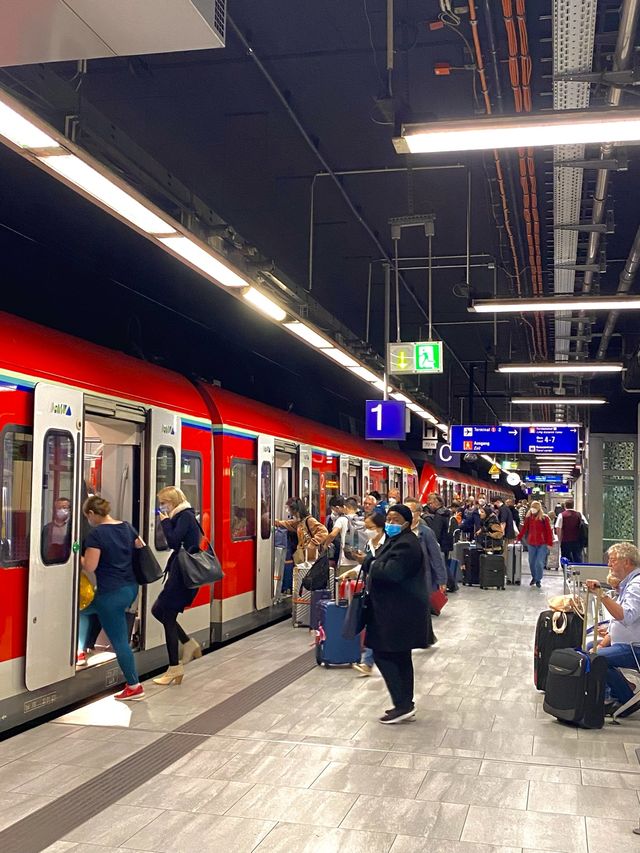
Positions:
(537, 559)
(619, 655)
(110, 607)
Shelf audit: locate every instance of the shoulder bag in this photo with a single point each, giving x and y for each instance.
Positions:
(201, 568)
(145, 566)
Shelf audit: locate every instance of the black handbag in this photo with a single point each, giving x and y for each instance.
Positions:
(201, 568)
(145, 566)
(355, 620)
(318, 575)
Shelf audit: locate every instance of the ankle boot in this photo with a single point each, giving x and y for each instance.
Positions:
(190, 650)
(173, 674)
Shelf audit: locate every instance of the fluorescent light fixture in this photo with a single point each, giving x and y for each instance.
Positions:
(522, 131)
(363, 373)
(308, 335)
(432, 418)
(558, 401)
(415, 407)
(563, 303)
(426, 416)
(94, 184)
(263, 304)
(22, 132)
(379, 384)
(486, 458)
(203, 260)
(341, 357)
(563, 367)
(443, 428)
(401, 397)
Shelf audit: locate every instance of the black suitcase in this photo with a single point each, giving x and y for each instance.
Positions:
(547, 641)
(576, 684)
(492, 571)
(471, 567)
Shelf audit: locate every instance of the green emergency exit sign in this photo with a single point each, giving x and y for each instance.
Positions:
(415, 357)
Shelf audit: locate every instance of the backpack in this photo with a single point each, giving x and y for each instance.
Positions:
(355, 536)
(584, 534)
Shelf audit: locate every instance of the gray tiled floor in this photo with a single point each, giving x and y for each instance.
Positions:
(482, 769)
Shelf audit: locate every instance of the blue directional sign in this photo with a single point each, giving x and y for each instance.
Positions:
(549, 440)
(544, 478)
(485, 439)
(385, 419)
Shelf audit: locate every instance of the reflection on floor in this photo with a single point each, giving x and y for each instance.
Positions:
(481, 770)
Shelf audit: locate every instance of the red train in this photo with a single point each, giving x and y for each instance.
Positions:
(77, 419)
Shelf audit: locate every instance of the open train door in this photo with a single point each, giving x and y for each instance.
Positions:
(264, 537)
(366, 485)
(405, 485)
(344, 475)
(164, 443)
(54, 546)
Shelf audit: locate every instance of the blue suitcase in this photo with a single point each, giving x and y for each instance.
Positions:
(334, 650)
(317, 597)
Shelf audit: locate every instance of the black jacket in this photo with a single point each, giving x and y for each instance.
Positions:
(398, 612)
(182, 529)
(438, 521)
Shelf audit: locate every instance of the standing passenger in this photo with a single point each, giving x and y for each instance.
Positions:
(537, 529)
(109, 553)
(181, 530)
(397, 616)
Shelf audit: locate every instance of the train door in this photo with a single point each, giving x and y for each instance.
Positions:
(305, 485)
(54, 536)
(406, 492)
(354, 482)
(267, 504)
(164, 441)
(366, 486)
(344, 475)
(395, 478)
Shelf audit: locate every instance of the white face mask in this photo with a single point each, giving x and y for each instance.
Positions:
(370, 533)
(392, 501)
(62, 514)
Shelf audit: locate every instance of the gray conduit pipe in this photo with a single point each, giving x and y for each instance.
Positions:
(625, 281)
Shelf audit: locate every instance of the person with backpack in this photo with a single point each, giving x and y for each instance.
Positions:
(571, 531)
(537, 529)
(312, 534)
(437, 516)
(346, 529)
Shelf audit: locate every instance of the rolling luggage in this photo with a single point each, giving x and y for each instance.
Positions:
(471, 566)
(577, 680)
(553, 558)
(514, 563)
(553, 631)
(301, 598)
(492, 571)
(332, 649)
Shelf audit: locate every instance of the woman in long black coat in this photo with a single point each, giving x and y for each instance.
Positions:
(397, 611)
(180, 528)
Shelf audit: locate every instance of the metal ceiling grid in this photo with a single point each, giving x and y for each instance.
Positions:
(574, 26)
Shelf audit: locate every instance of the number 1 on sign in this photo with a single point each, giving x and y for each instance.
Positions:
(377, 411)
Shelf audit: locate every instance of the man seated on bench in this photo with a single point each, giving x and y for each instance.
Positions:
(624, 628)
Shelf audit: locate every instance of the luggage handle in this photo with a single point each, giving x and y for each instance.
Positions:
(596, 597)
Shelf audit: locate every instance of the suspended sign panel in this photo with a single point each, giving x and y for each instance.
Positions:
(485, 439)
(415, 357)
(544, 478)
(549, 440)
(385, 419)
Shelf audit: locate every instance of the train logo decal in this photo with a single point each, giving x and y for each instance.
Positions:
(167, 429)
(60, 409)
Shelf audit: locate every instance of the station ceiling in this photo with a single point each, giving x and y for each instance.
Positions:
(216, 123)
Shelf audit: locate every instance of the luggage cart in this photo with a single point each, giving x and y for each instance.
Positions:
(576, 573)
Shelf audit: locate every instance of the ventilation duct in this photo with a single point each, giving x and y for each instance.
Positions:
(56, 30)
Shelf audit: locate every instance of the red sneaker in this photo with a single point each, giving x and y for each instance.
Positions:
(81, 659)
(130, 694)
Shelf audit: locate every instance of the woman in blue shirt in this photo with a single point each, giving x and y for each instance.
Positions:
(109, 553)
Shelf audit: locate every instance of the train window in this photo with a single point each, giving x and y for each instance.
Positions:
(306, 486)
(57, 493)
(165, 476)
(191, 480)
(15, 498)
(265, 500)
(315, 495)
(244, 495)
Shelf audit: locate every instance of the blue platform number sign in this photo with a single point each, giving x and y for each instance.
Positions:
(385, 419)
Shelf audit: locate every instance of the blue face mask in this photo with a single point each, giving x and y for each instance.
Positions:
(392, 529)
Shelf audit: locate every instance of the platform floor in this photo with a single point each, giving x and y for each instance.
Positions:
(481, 769)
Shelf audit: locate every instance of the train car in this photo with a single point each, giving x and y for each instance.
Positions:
(448, 483)
(79, 419)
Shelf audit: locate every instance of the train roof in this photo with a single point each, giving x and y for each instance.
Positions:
(232, 410)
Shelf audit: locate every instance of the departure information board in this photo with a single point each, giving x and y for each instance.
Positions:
(544, 478)
(502, 439)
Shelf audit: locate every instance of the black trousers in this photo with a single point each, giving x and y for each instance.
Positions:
(173, 631)
(571, 551)
(397, 670)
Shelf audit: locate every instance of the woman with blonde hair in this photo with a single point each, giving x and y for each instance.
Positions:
(181, 529)
(537, 529)
(108, 552)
